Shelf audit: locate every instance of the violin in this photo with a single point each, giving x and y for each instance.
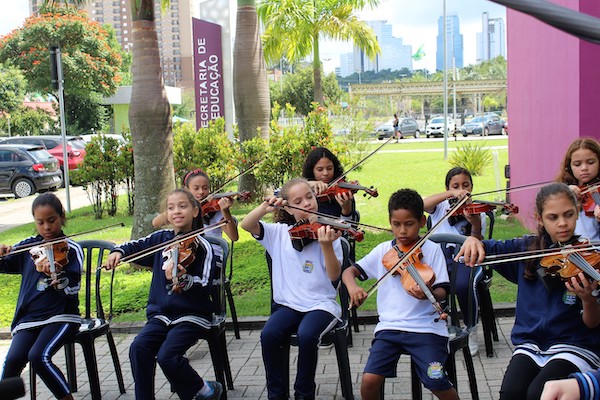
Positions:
(480, 206)
(569, 262)
(414, 274)
(56, 254)
(590, 198)
(308, 228)
(343, 187)
(212, 205)
(185, 254)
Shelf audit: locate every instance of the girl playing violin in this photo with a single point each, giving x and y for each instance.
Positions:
(578, 170)
(321, 168)
(198, 183)
(47, 314)
(557, 325)
(459, 184)
(406, 323)
(304, 299)
(175, 314)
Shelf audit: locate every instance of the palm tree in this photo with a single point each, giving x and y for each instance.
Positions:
(250, 86)
(149, 117)
(293, 29)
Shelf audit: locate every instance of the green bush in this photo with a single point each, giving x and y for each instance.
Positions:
(101, 173)
(472, 156)
(209, 149)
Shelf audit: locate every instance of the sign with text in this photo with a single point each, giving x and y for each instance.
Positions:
(208, 72)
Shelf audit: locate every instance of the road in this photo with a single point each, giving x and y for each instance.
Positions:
(15, 212)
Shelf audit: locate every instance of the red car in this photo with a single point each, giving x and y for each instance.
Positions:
(53, 143)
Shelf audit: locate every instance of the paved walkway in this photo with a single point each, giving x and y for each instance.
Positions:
(249, 376)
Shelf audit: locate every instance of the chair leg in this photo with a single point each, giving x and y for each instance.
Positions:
(32, 383)
(234, 319)
(341, 352)
(71, 366)
(451, 367)
(89, 353)
(354, 319)
(488, 319)
(115, 357)
(226, 365)
(415, 382)
(217, 360)
(471, 374)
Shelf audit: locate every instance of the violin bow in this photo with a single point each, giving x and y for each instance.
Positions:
(60, 239)
(415, 246)
(342, 176)
(514, 188)
(231, 180)
(143, 253)
(352, 223)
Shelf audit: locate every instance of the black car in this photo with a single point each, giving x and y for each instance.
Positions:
(27, 169)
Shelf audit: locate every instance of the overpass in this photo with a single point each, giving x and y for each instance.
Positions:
(426, 88)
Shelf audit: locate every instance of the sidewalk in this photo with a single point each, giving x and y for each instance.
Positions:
(249, 375)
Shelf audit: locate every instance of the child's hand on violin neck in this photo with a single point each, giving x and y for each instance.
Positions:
(582, 287)
(318, 186)
(272, 203)
(4, 249)
(472, 251)
(575, 189)
(327, 234)
(225, 203)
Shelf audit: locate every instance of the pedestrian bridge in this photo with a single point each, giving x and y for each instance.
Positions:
(426, 88)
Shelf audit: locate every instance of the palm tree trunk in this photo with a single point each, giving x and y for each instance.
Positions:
(150, 121)
(250, 86)
(318, 88)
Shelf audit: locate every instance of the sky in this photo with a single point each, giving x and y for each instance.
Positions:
(416, 25)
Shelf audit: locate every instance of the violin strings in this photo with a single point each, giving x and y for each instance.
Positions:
(514, 188)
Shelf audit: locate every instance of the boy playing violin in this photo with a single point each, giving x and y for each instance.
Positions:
(406, 323)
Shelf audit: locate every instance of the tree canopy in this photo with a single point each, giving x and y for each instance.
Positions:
(12, 88)
(91, 60)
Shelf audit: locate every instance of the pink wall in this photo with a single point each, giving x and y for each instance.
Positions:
(553, 98)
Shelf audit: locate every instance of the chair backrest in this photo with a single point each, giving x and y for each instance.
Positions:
(94, 253)
(451, 244)
(218, 280)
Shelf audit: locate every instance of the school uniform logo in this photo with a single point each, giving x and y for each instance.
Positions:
(435, 370)
(569, 298)
(308, 267)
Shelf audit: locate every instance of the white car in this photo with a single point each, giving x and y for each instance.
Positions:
(436, 127)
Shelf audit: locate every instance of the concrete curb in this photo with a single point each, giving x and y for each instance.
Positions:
(254, 323)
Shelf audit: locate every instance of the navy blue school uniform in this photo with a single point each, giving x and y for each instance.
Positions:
(589, 384)
(175, 321)
(548, 323)
(46, 317)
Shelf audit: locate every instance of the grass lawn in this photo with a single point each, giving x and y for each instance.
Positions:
(389, 171)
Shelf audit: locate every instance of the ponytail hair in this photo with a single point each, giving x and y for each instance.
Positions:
(540, 242)
(281, 215)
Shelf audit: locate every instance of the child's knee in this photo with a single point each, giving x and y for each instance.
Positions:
(371, 384)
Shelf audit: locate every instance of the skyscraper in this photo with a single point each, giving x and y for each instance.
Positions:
(394, 54)
(173, 27)
(454, 43)
(491, 42)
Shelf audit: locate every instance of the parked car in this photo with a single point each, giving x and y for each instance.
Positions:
(406, 126)
(53, 143)
(436, 127)
(489, 124)
(27, 169)
(88, 137)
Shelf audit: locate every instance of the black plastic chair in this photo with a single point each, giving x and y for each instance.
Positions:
(459, 337)
(229, 294)
(486, 307)
(338, 335)
(215, 336)
(94, 323)
(353, 317)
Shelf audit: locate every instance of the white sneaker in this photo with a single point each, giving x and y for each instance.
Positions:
(473, 341)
